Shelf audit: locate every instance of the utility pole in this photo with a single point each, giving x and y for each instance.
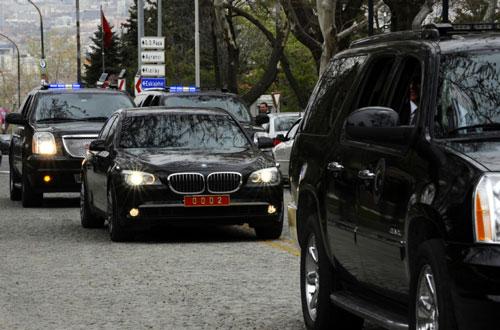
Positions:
(159, 31)
(140, 32)
(18, 69)
(78, 50)
(197, 41)
(370, 17)
(446, 10)
(42, 59)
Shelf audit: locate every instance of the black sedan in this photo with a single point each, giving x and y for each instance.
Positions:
(151, 167)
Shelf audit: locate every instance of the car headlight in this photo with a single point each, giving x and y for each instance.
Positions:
(487, 209)
(136, 178)
(44, 143)
(267, 176)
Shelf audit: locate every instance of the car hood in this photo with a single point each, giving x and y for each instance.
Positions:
(487, 153)
(80, 127)
(167, 162)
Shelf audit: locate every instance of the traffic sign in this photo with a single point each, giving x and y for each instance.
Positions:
(152, 70)
(153, 42)
(122, 84)
(137, 85)
(153, 57)
(153, 83)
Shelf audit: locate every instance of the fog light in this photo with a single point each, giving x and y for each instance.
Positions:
(47, 178)
(134, 212)
(271, 209)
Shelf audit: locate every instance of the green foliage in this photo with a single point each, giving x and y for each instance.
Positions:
(112, 60)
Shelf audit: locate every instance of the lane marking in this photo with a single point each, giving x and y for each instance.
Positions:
(4, 172)
(283, 247)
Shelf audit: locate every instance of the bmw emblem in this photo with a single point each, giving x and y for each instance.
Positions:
(204, 165)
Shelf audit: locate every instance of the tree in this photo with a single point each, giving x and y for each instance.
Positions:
(94, 67)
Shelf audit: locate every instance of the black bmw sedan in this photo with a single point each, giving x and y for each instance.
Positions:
(151, 167)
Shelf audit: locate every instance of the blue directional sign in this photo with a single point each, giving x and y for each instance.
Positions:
(148, 83)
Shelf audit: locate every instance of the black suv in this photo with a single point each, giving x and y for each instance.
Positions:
(55, 126)
(395, 174)
(195, 98)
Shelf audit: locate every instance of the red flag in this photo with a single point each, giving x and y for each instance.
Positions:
(106, 29)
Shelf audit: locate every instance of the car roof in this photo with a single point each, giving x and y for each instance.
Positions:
(203, 92)
(174, 110)
(79, 91)
(285, 114)
(448, 38)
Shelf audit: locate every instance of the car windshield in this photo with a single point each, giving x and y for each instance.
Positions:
(194, 132)
(230, 104)
(284, 123)
(469, 94)
(79, 106)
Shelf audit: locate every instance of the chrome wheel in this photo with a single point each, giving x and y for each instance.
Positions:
(427, 312)
(312, 277)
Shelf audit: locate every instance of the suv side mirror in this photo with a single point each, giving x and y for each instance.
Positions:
(97, 146)
(377, 124)
(16, 119)
(261, 119)
(265, 143)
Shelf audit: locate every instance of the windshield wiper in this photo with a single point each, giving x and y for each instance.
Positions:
(474, 128)
(94, 119)
(56, 119)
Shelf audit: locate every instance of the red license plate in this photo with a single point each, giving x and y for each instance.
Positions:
(206, 200)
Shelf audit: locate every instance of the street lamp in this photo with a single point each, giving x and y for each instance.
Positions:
(42, 60)
(18, 69)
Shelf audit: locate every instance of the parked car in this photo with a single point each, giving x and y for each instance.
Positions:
(155, 166)
(398, 203)
(281, 152)
(177, 96)
(279, 124)
(53, 129)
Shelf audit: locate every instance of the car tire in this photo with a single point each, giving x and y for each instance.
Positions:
(88, 218)
(15, 192)
(28, 197)
(317, 283)
(116, 231)
(272, 231)
(430, 281)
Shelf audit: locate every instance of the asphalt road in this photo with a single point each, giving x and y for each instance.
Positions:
(56, 275)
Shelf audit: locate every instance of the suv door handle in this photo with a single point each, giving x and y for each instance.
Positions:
(366, 175)
(334, 167)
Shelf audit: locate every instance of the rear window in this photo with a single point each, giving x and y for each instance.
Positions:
(203, 132)
(79, 106)
(230, 104)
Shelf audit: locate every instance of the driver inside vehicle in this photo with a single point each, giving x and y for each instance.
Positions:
(408, 115)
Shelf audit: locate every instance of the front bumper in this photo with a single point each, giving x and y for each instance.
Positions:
(475, 270)
(158, 205)
(63, 171)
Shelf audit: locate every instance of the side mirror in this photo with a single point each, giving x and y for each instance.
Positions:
(265, 143)
(377, 124)
(97, 146)
(261, 119)
(16, 119)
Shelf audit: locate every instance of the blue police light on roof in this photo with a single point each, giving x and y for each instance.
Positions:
(65, 86)
(183, 89)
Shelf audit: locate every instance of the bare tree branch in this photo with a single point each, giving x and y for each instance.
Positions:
(425, 10)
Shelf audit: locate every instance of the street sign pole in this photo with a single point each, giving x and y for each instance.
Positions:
(197, 41)
(159, 32)
(140, 31)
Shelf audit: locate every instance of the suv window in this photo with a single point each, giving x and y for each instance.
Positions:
(26, 106)
(376, 81)
(469, 94)
(330, 93)
(406, 91)
(78, 106)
